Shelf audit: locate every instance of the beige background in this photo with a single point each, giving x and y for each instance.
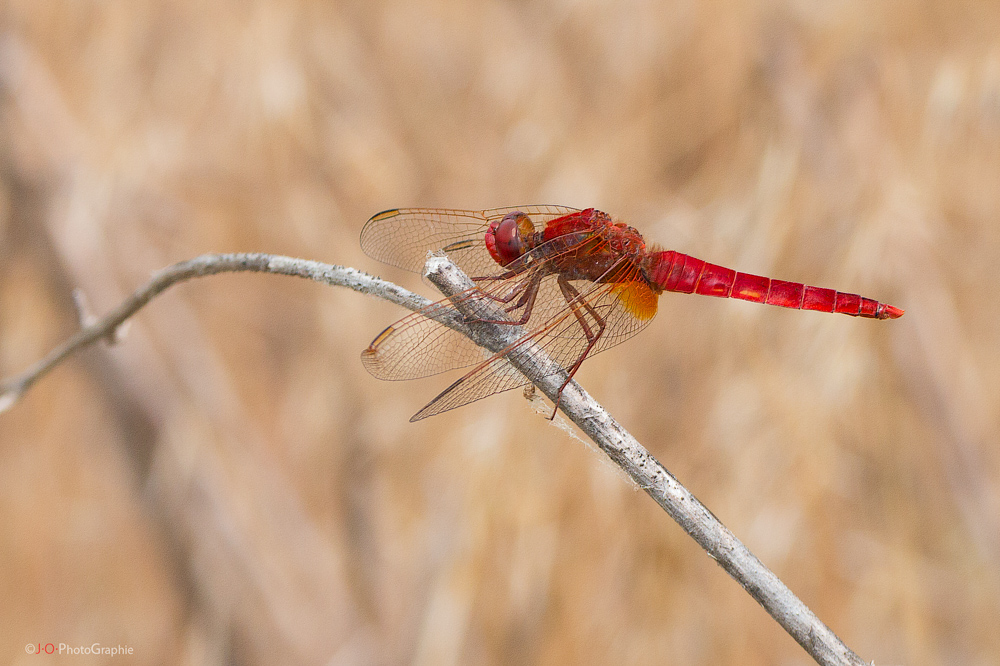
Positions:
(230, 485)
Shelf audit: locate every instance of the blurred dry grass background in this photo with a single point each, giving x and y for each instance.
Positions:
(229, 486)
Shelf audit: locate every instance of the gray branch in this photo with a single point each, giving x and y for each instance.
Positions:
(722, 545)
(106, 327)
(800, 622)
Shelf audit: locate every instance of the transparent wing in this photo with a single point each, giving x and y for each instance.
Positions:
(623, 305)
(419, 346)
(402, 237)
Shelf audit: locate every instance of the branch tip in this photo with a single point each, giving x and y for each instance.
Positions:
(9, 398)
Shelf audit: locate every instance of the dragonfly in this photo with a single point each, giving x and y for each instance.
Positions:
(577, 282)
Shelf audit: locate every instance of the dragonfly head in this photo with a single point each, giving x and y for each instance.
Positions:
(505, 239)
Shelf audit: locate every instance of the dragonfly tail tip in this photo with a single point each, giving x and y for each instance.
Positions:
(887, 311)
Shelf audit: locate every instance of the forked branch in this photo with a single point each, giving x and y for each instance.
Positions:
(800, 622)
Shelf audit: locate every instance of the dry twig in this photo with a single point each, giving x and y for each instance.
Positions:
(793, 615)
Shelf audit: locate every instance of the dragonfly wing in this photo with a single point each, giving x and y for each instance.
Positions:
(540, 214)
(419, 345)
(402, 237)
(494, 376)
(561, 337)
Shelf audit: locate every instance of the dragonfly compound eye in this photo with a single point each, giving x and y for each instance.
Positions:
(505, 240)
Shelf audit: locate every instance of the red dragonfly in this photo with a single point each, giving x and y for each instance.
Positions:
(576, 280)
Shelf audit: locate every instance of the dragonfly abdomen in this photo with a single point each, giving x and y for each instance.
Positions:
(673, 271)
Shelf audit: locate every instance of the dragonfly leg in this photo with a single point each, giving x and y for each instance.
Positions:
(519, 288)
(506, 275)
(575, 302)
(528, 291)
